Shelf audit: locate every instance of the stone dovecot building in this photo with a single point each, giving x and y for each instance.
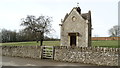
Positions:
(76, 28)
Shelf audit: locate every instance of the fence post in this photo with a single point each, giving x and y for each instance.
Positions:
(53, 52)
(41, 52)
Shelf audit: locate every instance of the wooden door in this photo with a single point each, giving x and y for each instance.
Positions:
(72, 40)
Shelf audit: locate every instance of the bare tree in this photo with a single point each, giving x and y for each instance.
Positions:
(115, 31)
(42, 24)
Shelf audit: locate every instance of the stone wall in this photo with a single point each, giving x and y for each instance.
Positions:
(22, 51)
(90, 55)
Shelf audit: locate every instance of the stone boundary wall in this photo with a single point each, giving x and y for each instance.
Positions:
(22, 51)
(90, 55)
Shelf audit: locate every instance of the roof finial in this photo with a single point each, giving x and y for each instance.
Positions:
(77, 4)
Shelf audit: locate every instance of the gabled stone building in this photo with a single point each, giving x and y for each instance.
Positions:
(76, 28)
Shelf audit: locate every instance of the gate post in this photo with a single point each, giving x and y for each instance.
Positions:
(53, 52)
(41, 52)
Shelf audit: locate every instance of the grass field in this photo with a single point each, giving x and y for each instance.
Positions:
(109, 43)
(57, 43)
(48, 43)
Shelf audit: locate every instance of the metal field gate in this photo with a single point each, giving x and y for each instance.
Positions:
(47, 52)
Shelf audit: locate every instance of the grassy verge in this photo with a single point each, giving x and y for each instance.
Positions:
(48, 43)
(110, 43)
(57, 43)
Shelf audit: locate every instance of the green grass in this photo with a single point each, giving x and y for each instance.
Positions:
(48, 43)
(20, 43)
(110, 43)
(51, 43)
(113, 44)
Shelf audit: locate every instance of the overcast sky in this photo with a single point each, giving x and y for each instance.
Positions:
(104, 13)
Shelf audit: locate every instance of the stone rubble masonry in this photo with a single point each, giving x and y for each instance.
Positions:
(22, 51)
(89, 55)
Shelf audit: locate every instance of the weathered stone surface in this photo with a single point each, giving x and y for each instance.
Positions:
(78, 25)
(22, 51)
(90, 55)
